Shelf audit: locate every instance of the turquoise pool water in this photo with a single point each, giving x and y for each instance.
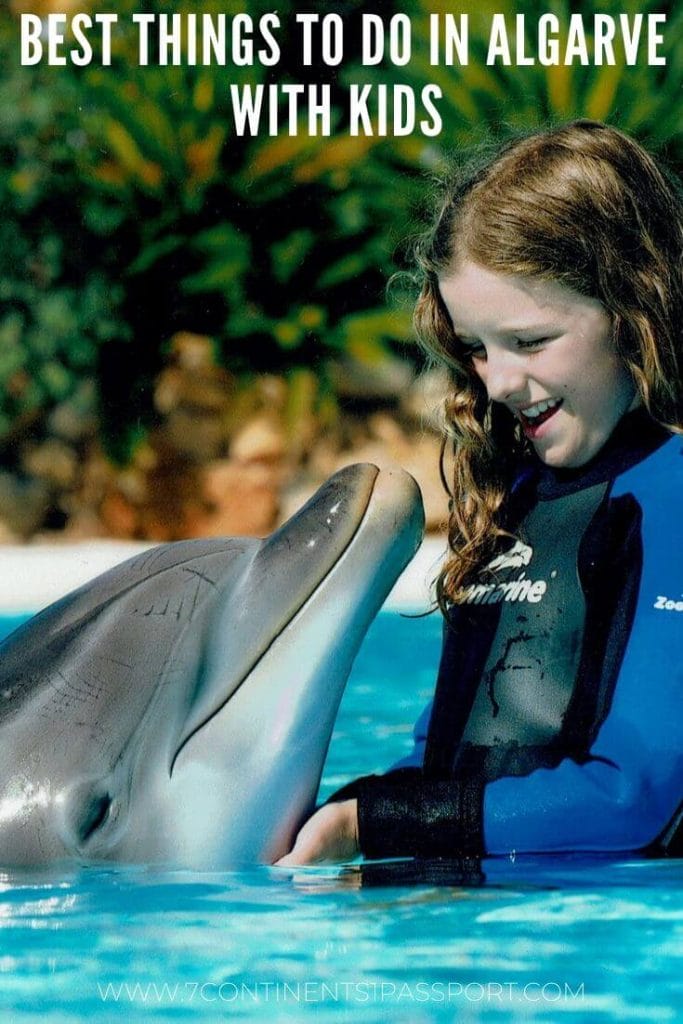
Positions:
(544, 941)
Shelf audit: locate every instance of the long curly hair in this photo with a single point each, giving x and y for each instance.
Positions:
(581, 204)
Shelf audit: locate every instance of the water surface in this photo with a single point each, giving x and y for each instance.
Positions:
(524, 939)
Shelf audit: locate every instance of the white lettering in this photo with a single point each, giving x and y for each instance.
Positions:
(510, 591)
(433, 127)
(455, 43)
(655, 39)
(521, 58)
(668, 604)
(332, 38)
(173, 31)
(392, 110)
(537, 590)
(143, 21)
(580, 40)
(248, 102)
(31, 46)
(498, 41)
(56, 27)
(576, 41)
(604, 39)
(373, 43)
(242, 42)
(548, 47)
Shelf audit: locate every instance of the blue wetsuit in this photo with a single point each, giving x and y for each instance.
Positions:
(557, 721)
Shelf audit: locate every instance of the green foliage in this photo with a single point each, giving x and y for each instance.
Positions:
(57, 304)
(132, 210)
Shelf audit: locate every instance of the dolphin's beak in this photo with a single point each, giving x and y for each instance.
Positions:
(287, 569)
(276, 663)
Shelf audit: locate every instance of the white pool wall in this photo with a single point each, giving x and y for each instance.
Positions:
(33, 576)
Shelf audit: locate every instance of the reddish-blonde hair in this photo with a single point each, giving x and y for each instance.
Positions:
(581, 204)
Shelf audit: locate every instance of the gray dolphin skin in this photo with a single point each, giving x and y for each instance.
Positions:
(177, 710)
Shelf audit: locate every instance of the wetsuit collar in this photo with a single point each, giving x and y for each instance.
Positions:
(635, 437)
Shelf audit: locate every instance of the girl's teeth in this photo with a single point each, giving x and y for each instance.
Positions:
(539, 409)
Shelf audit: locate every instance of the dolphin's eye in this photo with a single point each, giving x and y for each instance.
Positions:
(94, 815)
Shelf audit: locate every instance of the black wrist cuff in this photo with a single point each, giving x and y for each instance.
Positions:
(406, 815)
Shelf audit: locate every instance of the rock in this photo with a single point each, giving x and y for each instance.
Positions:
(242, 499)
(387, 379)
(24, 504)
(52, 461)
(385, 444)
(75, 419)
(7, 536)
(119, 516)
(423, 463)
(194, 435)
(83, 524)
(260, 440)
(384, 428)
(324, 458)
(193, 395)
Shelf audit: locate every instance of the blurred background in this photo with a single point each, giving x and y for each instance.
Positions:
(195, 328)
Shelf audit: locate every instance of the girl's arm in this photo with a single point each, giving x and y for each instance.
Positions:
(621, 798)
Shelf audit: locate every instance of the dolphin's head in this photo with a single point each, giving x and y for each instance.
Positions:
(178, 709)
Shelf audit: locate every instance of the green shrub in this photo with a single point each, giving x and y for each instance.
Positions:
(131, 210)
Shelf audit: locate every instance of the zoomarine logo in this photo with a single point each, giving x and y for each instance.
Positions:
(518, 555)
(667, 604)
(517, 590)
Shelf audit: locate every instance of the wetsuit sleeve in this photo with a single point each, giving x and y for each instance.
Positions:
(404, 814)
(628, 790)
(620, 798)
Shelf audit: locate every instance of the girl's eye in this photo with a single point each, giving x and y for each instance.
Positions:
(530, 343)
(474, 352)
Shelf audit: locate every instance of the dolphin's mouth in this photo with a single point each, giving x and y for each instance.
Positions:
(307, 548)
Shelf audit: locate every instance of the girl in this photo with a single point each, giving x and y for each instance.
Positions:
(552, 286)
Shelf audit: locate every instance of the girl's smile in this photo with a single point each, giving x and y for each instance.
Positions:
(547, 353)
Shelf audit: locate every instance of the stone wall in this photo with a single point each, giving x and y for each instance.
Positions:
(225, 456)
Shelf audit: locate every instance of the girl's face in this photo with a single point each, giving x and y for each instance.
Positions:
(547, 353)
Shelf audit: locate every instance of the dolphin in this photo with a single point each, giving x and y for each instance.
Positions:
(177, 709)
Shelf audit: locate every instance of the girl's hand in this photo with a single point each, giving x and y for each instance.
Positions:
(331, 834)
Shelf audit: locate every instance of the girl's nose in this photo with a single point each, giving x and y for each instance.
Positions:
(503, 376)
